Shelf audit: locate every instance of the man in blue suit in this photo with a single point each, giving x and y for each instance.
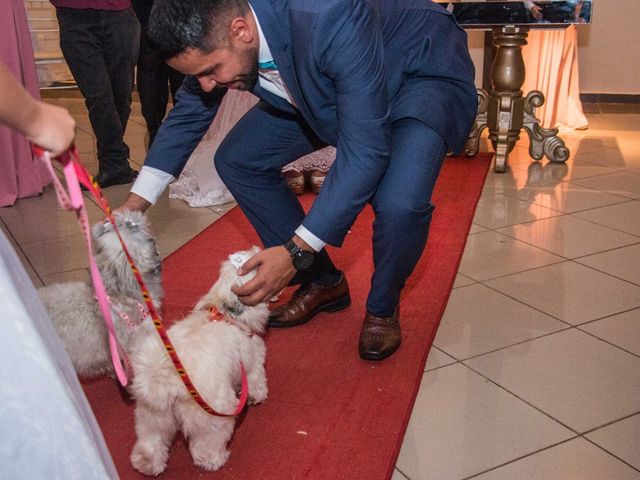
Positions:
(389, 83)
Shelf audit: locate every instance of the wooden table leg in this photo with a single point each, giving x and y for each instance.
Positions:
(508, 111)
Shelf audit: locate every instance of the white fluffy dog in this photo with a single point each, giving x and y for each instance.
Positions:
(74, 310)
(212, 352)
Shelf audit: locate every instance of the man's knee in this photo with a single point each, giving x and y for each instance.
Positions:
(231, 161)
(223, 162)
(403, 212)
(234, 157)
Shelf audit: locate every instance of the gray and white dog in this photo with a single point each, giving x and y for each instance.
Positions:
(73, 307)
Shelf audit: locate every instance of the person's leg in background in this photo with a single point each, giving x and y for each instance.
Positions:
(153, 88)
(154, 78)
(175, 81)
(81, 45)
(120, 39)
(403, 209)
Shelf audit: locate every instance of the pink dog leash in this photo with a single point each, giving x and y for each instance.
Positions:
(74, 173)
(74, 200)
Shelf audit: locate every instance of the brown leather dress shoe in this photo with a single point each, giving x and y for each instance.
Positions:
(379, 337)
(309, 300)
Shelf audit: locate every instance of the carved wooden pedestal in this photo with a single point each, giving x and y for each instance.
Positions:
(506, 112)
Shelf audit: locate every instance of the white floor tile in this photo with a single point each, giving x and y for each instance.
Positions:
(475, 228)
(514, 178)
(569, 236)
(610, 158)
(490, 254)
(621, 439)
(41, 218)
(479, 320)
(462, 281)
(398, 476)
(571, 376)
(622, 262)
(622, 330)
(499, 210)
(567, 197)
(437, 358)
(575, 459)
(570, 292)
(173, 234)
(70, 254)
(624, 216)
(85, 143)
(550, 174)
(621, 184)
(463, 425)
(81, 275)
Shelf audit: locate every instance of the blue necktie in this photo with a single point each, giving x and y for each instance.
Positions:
(270, 65)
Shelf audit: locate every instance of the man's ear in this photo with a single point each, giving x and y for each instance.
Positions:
(243, 30)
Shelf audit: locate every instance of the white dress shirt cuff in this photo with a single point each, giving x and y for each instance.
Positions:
(150, 183)
(529, 5)
(313, 241)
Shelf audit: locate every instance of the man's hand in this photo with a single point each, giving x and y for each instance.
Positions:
(275, 270)
(134, 202)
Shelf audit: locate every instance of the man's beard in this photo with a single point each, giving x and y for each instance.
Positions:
(250, 78)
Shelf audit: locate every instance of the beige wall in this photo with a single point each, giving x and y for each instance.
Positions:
(476, 49)
(609, 50)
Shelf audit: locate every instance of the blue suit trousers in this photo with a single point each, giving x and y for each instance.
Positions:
(250, 160)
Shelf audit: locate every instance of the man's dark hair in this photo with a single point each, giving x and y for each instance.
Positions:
(176, 25)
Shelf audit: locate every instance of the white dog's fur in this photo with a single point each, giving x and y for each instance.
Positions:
(74, 310)
(211, 352)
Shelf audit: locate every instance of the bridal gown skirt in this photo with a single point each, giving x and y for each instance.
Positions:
(49, 430)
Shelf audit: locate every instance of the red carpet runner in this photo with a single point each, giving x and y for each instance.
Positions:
(330, 415)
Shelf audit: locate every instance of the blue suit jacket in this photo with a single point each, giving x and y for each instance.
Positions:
(352, 67)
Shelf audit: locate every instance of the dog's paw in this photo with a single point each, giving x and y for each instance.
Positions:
(258, 397)
(148, 461)
(258, 393)
(208, 460)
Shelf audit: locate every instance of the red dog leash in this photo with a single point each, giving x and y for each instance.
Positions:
(75, 172)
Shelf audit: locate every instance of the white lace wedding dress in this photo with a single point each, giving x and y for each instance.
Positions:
(199, 184)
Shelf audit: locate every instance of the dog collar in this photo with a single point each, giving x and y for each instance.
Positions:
(216, 315)
(129, 322)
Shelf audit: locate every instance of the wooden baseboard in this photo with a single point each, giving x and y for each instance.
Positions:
(609, 98)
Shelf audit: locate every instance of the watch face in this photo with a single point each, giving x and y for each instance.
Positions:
(303, 260)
